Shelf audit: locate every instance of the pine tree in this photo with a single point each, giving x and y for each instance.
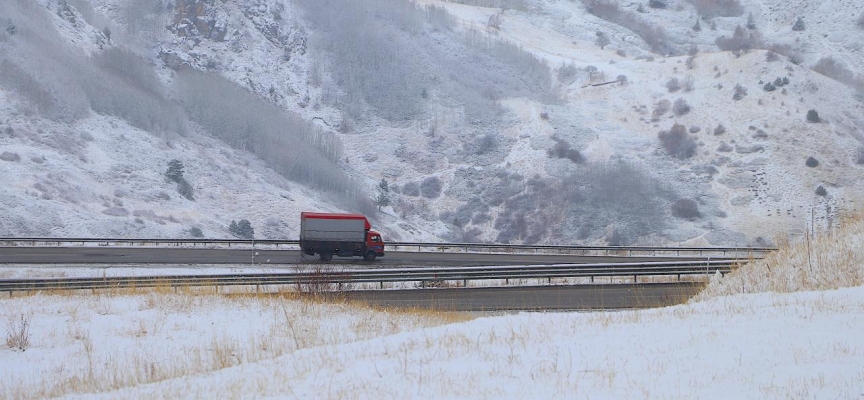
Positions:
(751, 23)
(242, 229)
(383, 198)
(175, 170)
(799, 24)
(697, 27)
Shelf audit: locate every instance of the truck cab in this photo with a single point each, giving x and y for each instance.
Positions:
(374, 246)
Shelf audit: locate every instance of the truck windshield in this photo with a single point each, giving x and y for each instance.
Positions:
(376, 238)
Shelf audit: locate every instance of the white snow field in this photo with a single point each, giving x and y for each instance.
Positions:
(800, 338)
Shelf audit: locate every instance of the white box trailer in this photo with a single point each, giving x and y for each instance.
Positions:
(344, 235)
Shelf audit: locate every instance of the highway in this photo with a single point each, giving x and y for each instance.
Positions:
(167, 255)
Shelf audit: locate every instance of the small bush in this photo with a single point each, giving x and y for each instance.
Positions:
(771, 56)
(860, 21)
(662, 107)
(812, 162)
(602, 40)
(718, 8)
(431, 187)
(18, 332)
(695, 129)
(673, 85)
(622, 79)
(196, 232)
(686, 209)
(799, 24)
(720, 129)
(680, 107)
(813, 116)
(677, 143)
(657, 3)
(567, 72)
(769, 87)
(562, 149)
(411, 189)
(742, 41)
(697, 27)
(820, 191)
(12, 157)
(740, 92)
(242, 229)
(859, 158)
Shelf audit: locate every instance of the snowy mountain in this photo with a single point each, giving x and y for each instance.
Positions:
(491, 120)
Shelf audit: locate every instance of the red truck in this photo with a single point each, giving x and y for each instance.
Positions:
(344, 235)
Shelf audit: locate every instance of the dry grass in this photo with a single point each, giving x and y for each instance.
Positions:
(830, 260)
(294, 321)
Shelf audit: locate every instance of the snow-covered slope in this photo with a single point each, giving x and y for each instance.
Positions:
(507, 178)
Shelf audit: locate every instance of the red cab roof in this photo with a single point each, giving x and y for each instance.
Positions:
(317, 215)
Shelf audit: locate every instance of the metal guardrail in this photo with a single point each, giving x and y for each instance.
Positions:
(422, 275)
(439, 247)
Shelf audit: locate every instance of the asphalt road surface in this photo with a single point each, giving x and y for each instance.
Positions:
(131, 255)
(579, 297)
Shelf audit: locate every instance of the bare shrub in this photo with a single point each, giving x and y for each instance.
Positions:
(677, 142)
(771, 56)
(791, 53)
(317, 279)
(811, 162)
(653, 35)
(562, 149)
(11, 157)
(673, 85)
(686, 209)
(431, 187)
(411, 189)
(567, 72)
(657, 3)
(116, 211)
(680, 107)
(602, 40)
(718, 8)
(622, 79)
(18, 332)
(859, 157)
(742, 41)
(662, 107)
(720, 129)
(835, 70)
(860, 21)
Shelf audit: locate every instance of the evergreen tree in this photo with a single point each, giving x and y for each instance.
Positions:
(242, 229)
(175, 170)
(751, 23)
(697, 27)
(383, 198)
(799, 24)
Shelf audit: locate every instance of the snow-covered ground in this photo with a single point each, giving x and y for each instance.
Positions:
(164, 345)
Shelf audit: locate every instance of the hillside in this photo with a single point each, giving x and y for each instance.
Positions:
(483, 116)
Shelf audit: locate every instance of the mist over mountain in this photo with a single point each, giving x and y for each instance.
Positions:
(720, 122)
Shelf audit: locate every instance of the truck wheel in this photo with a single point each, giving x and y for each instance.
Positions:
(370, 256)
(325, 257)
